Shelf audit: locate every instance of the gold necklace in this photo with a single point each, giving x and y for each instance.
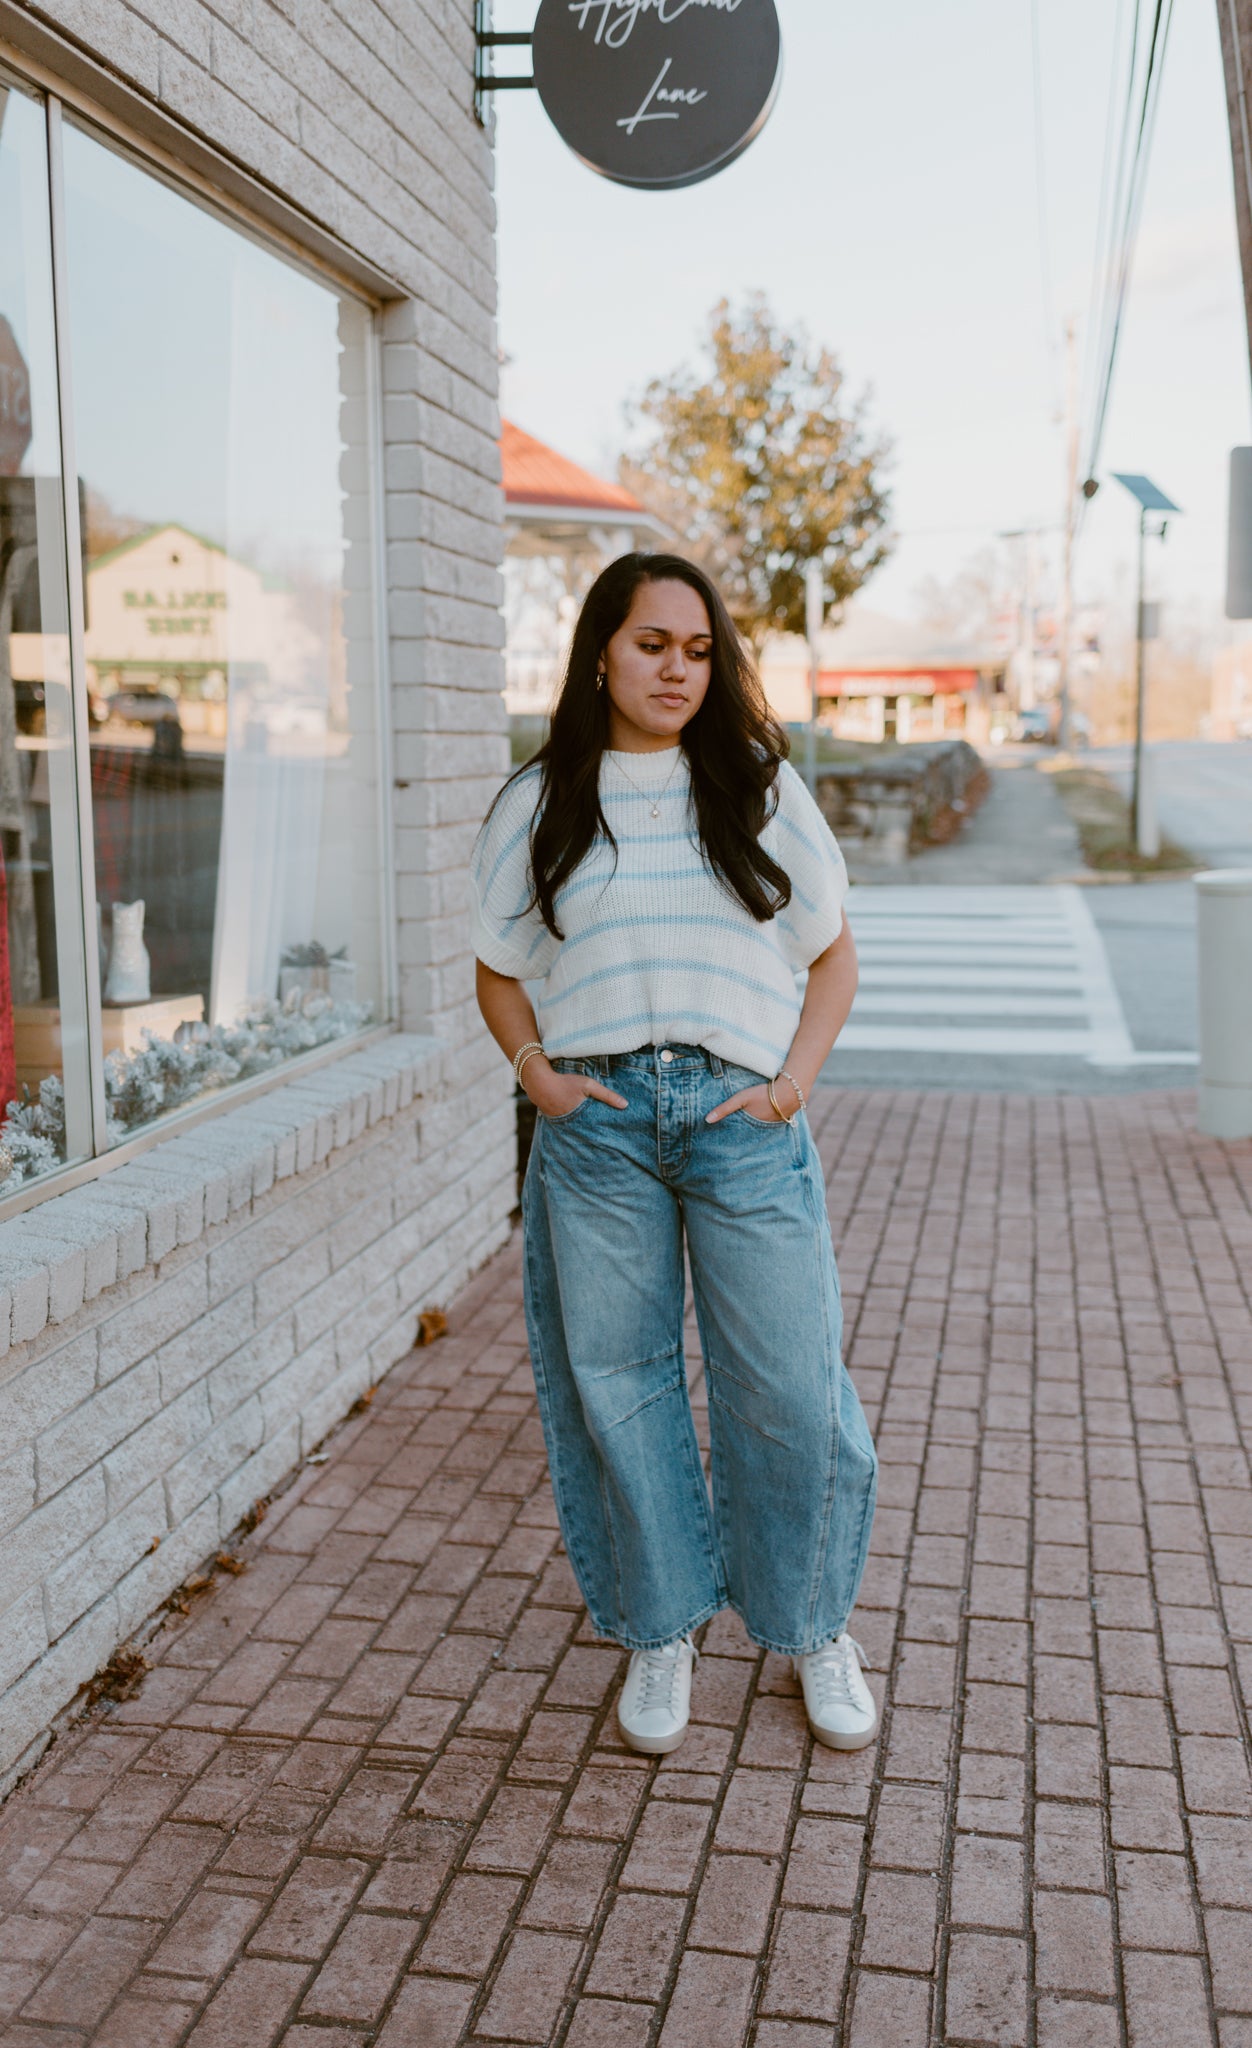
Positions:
(654, 803)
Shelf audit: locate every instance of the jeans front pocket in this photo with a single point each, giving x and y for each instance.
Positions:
(567, 1115)
(739, 1078)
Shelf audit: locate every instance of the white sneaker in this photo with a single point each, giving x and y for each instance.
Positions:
(655, 1705)
(839, 1704)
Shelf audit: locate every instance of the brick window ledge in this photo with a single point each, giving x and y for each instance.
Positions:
(71, 1248)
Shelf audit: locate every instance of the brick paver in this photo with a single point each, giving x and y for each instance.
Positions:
(372, 1791)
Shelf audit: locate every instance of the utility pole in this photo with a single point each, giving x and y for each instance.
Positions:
(1234, 21)
(814, 611)
(1071, 502)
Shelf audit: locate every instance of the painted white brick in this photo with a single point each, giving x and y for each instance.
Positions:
(157, 1572)
(95, 1429)
(283, 1285)
(17, 1486)
(251, 1367)
(159, 1205)
(81, 1254)
(54, 1532)
(93, 1572)
(191, 1355)
(27, 1707)
(259, 1474)
(102, 1209)
(26, 1280)
(324, 1410)
(156, 1446)
(217, 1455)
(23, 1636)
(151, 1320)
(288, 1394)
(32, 1400)
(160, 1178)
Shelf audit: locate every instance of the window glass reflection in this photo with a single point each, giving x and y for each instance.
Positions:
(44, 1082)
(221, 423)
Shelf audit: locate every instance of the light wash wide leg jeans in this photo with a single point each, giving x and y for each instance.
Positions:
(609, 1196)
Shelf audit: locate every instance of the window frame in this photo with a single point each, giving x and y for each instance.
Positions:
(56, 102)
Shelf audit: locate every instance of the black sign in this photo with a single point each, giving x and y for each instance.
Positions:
(657, 93)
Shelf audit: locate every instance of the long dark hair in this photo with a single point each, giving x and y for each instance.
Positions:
(733, 744)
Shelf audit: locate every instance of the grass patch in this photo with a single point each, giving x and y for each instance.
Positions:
(1105, 829)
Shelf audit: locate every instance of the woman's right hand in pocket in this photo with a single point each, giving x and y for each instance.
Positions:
(555, 1094)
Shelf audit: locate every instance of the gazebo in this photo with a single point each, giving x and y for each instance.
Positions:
(562, 525)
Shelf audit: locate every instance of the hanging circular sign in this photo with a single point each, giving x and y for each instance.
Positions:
(657, 93)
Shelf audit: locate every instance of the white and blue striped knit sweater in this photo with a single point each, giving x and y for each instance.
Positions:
(656, 950)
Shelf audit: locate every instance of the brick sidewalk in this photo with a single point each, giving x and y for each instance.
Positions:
(372, 1792)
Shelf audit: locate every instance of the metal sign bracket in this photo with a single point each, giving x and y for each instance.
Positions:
(486, 39)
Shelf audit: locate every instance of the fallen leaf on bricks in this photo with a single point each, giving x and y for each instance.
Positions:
(362, 1402)
(431, 1323)
(121, 1677)
(226, 1562)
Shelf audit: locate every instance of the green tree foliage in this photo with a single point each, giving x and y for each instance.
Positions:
(759, 464)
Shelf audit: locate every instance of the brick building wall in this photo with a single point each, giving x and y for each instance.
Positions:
(177, 1335)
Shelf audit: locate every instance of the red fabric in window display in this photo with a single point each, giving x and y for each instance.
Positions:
(8, 1060)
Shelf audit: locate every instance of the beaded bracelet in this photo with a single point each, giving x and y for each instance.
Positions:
(783, 1075)
(524, 1053)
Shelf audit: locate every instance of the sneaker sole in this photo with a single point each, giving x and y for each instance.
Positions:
(830, 1740)
(652, 1745)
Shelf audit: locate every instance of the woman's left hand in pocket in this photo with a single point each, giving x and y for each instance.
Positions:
(755, 1100)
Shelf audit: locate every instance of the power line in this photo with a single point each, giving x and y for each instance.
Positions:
(1041, 190)
(1104, 295)
(1131, 185)
(1104, 212)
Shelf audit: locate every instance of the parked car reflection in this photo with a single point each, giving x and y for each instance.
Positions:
(142, 706)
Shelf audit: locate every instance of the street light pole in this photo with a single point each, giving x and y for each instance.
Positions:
(1071, 502)
(1136, 784)
(1149, 498)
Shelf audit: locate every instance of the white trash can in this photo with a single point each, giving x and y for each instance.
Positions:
(1224, 920)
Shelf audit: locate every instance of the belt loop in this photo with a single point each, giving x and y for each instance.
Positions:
(716, 1065)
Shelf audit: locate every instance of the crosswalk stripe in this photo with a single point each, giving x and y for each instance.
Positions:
(995, 970)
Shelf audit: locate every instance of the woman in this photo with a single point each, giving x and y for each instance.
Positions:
(662, 875)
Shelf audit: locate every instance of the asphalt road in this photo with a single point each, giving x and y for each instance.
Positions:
(1204, 794)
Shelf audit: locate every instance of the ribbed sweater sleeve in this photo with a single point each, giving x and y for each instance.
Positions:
(806, 847)
(505, 934)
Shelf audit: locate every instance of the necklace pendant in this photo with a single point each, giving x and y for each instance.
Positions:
(656, 810)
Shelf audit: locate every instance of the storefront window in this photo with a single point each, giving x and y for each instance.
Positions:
(45, 1092)
(221, 429)
(190, 770)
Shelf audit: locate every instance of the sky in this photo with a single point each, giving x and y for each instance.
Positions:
(892, 207)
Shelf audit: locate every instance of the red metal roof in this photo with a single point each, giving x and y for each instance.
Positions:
(535, 474)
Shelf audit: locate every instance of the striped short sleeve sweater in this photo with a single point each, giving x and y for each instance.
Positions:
(656, 949)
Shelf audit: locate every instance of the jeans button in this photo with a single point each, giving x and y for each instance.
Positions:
(667, 1055)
